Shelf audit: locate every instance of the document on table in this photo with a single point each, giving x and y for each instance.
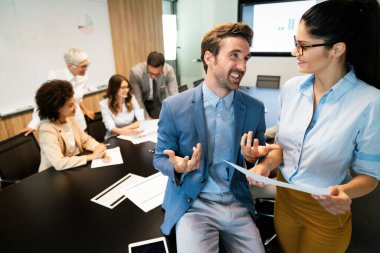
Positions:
(148, 193)
(149, 125)
(113, 153)
(112, 196)
(260, 178)
(149, 132)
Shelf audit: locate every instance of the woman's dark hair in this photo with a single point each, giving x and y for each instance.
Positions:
(51, 96)
(357, 24)
(114, 85)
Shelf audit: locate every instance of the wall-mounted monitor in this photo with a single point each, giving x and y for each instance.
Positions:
(274, 24)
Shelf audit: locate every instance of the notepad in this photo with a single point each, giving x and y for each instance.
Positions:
(114, 154)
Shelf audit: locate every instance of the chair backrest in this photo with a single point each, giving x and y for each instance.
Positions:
(268, 81)
(182, 88)
(95, 127)
(365, 223)
(198, 82)
(19, 157)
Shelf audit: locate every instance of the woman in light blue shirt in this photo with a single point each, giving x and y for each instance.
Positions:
(120, 108)
(329, 122)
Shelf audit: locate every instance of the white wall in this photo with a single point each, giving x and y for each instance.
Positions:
(34, 36)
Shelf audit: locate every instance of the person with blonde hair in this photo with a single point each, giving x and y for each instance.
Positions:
(75, 72)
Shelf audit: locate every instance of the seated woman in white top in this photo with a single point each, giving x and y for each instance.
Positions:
(120, 108)
(61, 139)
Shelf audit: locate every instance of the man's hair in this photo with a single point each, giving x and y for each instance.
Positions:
(155, 59)
(75, 56)
(51, 96)
(211, 40)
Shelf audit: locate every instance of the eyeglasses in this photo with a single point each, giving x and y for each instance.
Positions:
(82, 66)
(301, 48)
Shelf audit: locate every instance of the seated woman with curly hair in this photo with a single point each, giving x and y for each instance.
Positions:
(61, 139)
(120, 109)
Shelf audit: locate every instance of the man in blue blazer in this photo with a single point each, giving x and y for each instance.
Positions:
(198, 129)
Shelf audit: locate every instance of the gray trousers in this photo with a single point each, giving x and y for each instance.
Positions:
(217, 215)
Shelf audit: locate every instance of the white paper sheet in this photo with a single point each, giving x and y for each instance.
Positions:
(112, 196)
(149, 133)
(149, 124)
(115, 155)
(260, 178)
(148, 193)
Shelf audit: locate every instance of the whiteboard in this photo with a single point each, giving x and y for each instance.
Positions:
(34, 34)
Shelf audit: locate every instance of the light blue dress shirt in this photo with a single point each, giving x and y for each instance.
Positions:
(344, 131)
(219, 114)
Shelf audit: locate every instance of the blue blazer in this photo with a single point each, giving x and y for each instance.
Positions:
(181, 126)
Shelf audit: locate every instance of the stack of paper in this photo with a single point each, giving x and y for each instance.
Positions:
(112, 196)
(149, 133)
(147, 193)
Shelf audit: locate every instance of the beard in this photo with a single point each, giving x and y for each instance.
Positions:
(231, 81)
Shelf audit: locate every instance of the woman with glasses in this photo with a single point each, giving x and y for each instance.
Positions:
(75, 72)
(329, 123)
(120, 108)
(60, 138)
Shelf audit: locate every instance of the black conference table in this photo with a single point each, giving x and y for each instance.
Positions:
(51, 211)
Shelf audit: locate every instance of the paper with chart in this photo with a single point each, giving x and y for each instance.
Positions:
(113, 153)
(149, 132)
(112, 196)
(265, 180)
(148, 193)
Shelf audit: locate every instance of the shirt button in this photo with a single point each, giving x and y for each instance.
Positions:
(299, 144)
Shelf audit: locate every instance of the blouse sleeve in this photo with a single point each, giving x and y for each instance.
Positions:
(139, 112)
(367, 150)
(108, 120)
(35, 122)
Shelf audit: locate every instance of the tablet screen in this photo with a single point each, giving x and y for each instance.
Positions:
(157, 245)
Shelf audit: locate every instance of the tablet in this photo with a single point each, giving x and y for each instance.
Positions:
(156, 245)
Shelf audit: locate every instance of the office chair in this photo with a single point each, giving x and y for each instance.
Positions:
(268, 82)
(365, 223)
(182, 88)
(19, 158)
(264, 198)
(198, 82)
(96, 127)
(264, 211)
